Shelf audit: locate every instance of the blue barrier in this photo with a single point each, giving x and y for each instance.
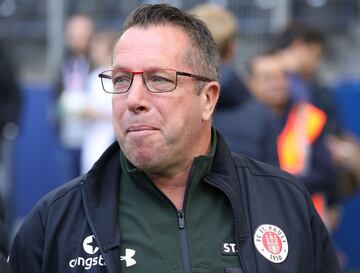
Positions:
(346, 237)
(36, 151)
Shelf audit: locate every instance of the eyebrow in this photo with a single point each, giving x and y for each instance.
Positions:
(118, 67)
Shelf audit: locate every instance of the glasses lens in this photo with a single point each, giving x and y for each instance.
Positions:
(160, 80)
(116, 81)
(121, 81)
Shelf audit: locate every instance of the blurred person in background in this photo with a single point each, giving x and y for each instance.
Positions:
(300, 143)
(169, 196)
(248, 126)
(98, 131)
(300, 49)
(10, 110)
(71, 91)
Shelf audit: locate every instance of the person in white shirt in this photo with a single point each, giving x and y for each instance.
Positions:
(98, 131)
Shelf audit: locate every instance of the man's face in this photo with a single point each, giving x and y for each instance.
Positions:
(268, 82)
(159, 132)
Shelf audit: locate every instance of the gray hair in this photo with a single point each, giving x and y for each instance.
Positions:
(204, 56)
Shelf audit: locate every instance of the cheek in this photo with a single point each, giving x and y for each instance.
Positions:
(178, 117)
(118, 106)
(191, 115)
(118, 116)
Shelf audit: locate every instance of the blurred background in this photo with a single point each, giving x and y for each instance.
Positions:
(32, 35)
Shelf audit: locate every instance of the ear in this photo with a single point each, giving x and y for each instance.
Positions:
(209, 98)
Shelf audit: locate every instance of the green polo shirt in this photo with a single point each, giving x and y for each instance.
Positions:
(150, 226)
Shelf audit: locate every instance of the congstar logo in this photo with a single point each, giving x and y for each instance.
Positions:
(91, 249)
(88, 245)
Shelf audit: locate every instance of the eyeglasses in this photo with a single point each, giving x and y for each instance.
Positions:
(119, 81)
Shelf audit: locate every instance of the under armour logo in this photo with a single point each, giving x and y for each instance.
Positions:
(129, 254)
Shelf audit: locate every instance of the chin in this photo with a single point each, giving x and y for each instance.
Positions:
(141, 159)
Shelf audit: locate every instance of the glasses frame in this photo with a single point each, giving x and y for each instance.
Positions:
(103, 75)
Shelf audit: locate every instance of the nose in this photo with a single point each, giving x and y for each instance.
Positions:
(138, 97)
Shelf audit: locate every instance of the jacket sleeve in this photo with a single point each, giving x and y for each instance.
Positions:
(321, 175)
(26, 252)
(325, 259)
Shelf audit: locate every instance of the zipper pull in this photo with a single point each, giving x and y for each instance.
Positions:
(181, 219)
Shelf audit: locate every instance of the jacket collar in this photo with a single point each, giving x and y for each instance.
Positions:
(225, 176)
(100, 191)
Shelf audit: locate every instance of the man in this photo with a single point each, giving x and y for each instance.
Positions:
(299, 50)
(300, 142)
(247, 125)
(170, 197)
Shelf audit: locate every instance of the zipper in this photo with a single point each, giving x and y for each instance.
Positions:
(183, 232)
(181, 224)
(181, 219)
(184, 241)
(182, 227)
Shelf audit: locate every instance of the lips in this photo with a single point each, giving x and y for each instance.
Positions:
(140, 128)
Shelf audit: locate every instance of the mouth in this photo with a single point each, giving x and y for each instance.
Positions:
(140, 129)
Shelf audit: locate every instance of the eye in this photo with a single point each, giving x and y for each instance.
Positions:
(161, 76)
(121, 80)
(161, 79)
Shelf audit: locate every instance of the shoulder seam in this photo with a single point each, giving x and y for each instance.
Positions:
(77, 184)
(239, 165)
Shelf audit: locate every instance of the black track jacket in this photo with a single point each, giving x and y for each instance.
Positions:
(75, 227)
